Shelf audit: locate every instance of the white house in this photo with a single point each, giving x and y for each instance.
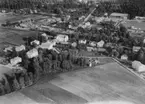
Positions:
(61, 38)
(32, 53)
(99, 19)
(118, 16)
(8, 49)
(82, 41)
(20, 48)
(124, 57)
(92, 43)
(35, 42)
(15, 60)
(74, 44)
(44, 34)
(100, 44)
(138, 66)
(48, 45)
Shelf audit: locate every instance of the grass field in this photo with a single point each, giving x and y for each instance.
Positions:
(135, 23)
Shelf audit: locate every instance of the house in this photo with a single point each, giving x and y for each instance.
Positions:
(44, 34)
(136, 48)
(32, 53)
(99, 19)
(74, 44)
(118, 16)
(35, 42)
(8, 49)
(138, 66)
(48, 45)
(15, 60)
(93, 43)
(124, 57)
(100, 44)
(83, 41)
(86, 25)
(61, 38)
(20, 48)
(90, 49)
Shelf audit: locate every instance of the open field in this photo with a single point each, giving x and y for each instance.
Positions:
(105, 84)
(13, 37)
(135, 23)
(9, 36)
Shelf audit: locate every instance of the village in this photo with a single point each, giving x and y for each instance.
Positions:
(66, 40)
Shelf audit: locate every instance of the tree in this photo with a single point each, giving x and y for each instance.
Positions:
(6, 85)
(141, 56)
(14, 85)
(2, 91)
(27, 80)
(66, 65)
(30, 75)
(54, 66)
(37, 69)
(21, 81)
(47, 65)
(25, 62)
(50, 57)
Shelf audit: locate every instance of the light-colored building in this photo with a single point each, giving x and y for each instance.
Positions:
(100, 44)
(15, 60)
(74, 44)
(32, 53)
(89, 49)
(61, 38)
(35, 42)
(124, 57)
(8, 49)
(20, 48)
(138, 66)
(93, 44)
(48, 45)
(82, 41)
(118, 16)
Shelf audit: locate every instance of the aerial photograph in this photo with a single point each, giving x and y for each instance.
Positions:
(72, 51)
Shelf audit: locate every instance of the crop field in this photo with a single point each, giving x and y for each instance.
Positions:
(13, 37)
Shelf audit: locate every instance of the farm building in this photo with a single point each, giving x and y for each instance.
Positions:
(61, 38)
(118, 16)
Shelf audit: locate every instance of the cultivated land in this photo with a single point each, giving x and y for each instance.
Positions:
(105, 84)
(9, 36)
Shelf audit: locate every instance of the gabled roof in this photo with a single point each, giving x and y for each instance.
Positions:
(119, 14)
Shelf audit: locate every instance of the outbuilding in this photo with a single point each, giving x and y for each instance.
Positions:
(61, 38)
